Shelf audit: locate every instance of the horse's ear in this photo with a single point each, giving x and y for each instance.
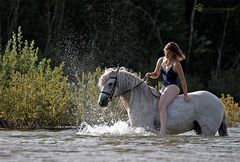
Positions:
(108, 70)
(105, 70)
(122, 68)
(118, 68)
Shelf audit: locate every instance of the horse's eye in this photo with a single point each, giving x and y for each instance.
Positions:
(110, 84)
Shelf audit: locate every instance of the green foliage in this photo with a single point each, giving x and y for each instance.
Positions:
(17, 57)
(33, 95)
(33, 100)
(232, 108)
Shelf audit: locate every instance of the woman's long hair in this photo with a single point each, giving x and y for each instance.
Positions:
(173, 47)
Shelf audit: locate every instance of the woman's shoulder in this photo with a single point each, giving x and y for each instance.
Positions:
(176, 65)
(160, 60)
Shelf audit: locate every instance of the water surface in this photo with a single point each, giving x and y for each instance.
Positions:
(116, 143)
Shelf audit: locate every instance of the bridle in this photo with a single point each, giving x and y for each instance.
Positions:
(110, 95)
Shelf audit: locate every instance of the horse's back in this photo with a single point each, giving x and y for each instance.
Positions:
(207, 103)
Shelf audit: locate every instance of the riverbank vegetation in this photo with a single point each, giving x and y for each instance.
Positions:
(233, 110)
(35, 95)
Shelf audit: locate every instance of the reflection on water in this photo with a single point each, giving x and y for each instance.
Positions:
(116, 143)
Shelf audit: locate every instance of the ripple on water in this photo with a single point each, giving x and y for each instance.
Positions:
(118, 142)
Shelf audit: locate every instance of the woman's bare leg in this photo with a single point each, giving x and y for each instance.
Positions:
(168, 95)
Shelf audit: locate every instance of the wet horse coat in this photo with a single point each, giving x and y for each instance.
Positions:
(205, 113)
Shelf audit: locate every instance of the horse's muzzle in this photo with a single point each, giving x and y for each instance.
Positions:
(103, 102)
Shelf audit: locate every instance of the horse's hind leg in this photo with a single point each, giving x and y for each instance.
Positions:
(222, 130)
(156, 124)
(208, 130)
(197, 128)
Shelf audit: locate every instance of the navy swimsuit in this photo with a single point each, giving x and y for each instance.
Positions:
(169, 76)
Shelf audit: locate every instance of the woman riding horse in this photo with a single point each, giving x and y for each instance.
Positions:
(170, 68)
(205, 113)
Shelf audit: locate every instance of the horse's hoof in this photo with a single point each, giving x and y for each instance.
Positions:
(162, 134)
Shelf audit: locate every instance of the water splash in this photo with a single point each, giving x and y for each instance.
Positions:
(120, 128)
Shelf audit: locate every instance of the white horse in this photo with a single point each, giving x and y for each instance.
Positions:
(205, 113)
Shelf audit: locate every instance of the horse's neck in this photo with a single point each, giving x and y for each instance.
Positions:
(141, 105)
(135, 94)
(128, 82)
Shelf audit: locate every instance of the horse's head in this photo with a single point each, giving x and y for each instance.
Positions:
(116, 82)
(108, 86)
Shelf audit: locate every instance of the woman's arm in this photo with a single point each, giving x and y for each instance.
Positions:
(155, 74)
(181, 76)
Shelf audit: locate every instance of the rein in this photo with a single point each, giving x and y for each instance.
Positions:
(154, 94)
(144, 79)
(129, 90)
(132, 88)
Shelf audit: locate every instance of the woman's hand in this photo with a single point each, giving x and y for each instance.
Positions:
(186, 98)
(147, 75)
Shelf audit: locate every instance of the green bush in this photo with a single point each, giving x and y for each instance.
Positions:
(33, 95)
(232, 108)
(17, 57)
(33, 100)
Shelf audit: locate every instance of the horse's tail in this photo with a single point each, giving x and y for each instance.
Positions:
(222, 130)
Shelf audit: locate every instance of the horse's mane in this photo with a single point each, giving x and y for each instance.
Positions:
(111, 72)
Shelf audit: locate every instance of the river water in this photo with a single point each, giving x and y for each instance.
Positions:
(116, 143)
